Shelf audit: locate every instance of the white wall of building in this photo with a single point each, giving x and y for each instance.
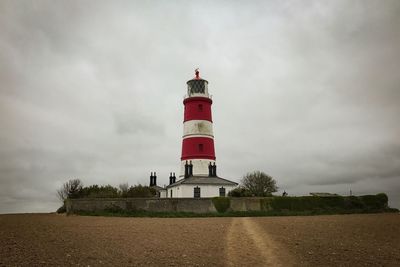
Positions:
(163, 193)
(185, 190)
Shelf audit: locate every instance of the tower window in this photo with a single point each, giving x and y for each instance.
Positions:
(201, 147)
(196, 192)
(200, 107)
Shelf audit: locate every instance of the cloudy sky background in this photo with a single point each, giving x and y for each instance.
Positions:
(306, 91)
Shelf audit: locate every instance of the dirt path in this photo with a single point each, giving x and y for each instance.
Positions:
(249, 245)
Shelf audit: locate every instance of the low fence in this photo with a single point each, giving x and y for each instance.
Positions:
(208, 205)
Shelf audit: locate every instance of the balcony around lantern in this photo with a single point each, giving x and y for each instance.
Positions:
(197, 95)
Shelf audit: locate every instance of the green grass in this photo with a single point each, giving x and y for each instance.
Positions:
(226, 214)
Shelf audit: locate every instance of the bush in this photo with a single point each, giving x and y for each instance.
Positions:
(305, 203)
(95, 191)
(239, 192)
(74, 189)
(383, 199)
(221, 204)
(379, 201)
(300, 203)
(62, 209)
(108, 191)
(332, 202)
(353, 202)
(141, 191)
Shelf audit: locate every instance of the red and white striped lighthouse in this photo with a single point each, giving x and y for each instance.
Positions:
(198, 139)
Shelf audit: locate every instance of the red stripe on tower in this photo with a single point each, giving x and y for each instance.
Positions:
(197, 108)
(198, 148)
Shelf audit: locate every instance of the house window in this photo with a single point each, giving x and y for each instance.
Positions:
(196, 192)
(201, 147)
(170, 193)
(222, 192)
(200, 107)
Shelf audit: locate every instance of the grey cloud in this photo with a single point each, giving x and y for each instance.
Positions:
(307, 92)
(133, 122)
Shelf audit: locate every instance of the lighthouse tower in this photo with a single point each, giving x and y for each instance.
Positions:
(198, 139)
(198, 176)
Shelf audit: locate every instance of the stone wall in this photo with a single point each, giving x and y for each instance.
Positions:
(366, 203)
(201, 205)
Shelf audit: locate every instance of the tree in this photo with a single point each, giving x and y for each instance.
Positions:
(70, 189)
(259, 184)
(123, 189)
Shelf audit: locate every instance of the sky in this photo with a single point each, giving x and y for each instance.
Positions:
(305, 91)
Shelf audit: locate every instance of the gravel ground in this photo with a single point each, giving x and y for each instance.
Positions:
(336, 240)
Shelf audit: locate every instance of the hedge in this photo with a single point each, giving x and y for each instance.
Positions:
(221, 204)
(368, 202)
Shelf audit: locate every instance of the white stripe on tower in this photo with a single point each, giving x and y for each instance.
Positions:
(197, 128)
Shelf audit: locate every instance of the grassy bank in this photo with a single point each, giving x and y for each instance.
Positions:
(227, 214)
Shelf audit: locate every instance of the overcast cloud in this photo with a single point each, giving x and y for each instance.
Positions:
(306, 91)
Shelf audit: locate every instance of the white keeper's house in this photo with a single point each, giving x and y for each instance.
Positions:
(198, 176)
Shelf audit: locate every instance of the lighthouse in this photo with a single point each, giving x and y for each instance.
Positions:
(198, 171)
(198, 138)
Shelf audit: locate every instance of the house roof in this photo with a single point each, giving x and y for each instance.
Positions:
(203, 180)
